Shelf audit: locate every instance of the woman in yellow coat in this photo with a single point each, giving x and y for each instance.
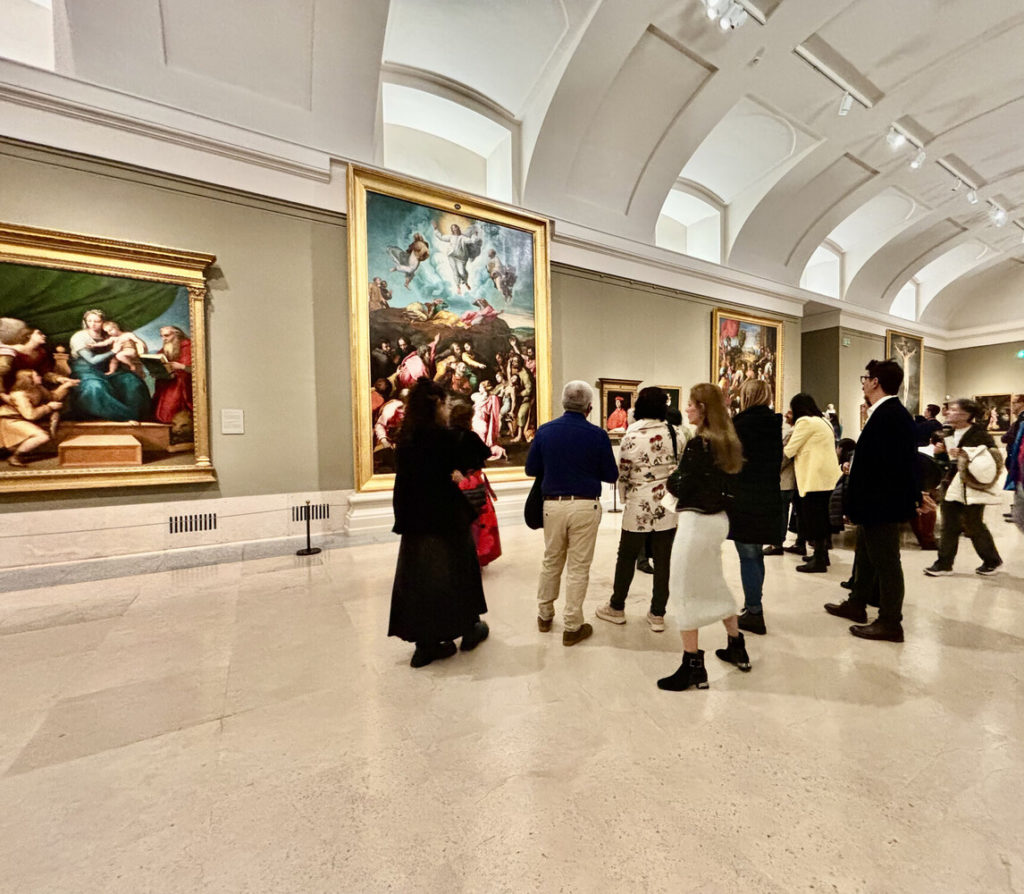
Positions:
(813, 449)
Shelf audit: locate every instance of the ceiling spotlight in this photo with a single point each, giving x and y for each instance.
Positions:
(715, 8)
(998, 215)
(894, 138)
(972, 196)
(845, 104)
(733, 18)
(918, 160)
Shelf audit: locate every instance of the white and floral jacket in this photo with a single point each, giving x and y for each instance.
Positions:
(646, 460)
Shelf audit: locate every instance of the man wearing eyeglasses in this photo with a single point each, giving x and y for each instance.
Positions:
(882, 493)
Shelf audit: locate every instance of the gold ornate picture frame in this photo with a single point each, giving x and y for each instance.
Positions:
(745, 347)
(908, 351)
(102, 363)
(617, 398)
(452, 287)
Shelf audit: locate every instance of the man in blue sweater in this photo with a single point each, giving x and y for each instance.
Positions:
(572, 457)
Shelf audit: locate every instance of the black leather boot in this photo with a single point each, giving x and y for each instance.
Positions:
(818, 563)
(691, 673)
(735, 653)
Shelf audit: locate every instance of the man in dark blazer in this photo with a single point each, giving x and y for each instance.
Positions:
(883, 491)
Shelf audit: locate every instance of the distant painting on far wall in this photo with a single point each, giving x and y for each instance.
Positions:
(995, 411)
(744, 348)
(907, 350)
(617, 399)
(675, 395)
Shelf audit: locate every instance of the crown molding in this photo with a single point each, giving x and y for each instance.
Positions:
(274, 158)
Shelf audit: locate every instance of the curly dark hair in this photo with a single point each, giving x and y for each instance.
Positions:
(651, 403)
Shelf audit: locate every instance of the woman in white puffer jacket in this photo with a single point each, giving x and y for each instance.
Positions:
(974, 485)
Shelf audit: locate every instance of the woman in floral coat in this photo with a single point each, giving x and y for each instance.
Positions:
(648, 454)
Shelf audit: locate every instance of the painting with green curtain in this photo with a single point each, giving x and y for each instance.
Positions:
(97, 369)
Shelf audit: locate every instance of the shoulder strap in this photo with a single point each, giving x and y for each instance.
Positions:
(672, 435)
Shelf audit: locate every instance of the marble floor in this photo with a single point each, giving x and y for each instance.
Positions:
(249, 727)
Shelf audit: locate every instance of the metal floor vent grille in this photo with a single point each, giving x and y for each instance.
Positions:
(317, 511)
(189, 524)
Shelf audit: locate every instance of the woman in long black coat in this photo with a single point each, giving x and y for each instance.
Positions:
(754, 517)
(437, 595)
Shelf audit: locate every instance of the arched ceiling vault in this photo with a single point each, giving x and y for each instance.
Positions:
(613, 103)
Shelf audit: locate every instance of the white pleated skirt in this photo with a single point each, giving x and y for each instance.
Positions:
(697, 586)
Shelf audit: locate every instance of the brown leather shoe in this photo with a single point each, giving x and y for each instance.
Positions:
(571, 637)
(544, 624)
(892, 633)
(852, 611)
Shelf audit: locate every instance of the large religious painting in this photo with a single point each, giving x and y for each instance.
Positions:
(907, 351)
(994, 412)
(744, 348)
(102, 363)
(454, 288)
(617, 398)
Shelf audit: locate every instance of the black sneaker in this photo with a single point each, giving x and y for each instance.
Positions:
(937, 570)
(988, 568)
(751, 622)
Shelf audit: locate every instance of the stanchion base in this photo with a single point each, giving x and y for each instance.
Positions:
(615, 510)
(310, 551)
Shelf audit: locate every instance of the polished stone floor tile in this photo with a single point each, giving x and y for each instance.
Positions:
(249, 727)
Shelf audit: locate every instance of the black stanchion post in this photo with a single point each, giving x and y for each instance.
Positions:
(309, 550)
(615, 499)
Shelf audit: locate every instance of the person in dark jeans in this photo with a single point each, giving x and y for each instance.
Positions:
(883, 492)
(757, 504)
(648, 454)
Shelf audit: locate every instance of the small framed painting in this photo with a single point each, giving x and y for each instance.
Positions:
(994, 412)
(674, 395)
(907, 351)
(617, 399)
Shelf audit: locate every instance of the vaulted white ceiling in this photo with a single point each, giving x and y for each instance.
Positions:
(611, 103)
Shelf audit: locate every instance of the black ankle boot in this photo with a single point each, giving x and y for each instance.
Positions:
(427, 652)
(691, 673)
(735, 652)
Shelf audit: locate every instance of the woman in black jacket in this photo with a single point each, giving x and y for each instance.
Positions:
(754, 516)
(437, 594)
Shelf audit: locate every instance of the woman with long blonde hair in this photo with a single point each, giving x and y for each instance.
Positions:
(702, 485)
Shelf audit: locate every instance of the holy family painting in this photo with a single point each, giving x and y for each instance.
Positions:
(453, 288)
(102, 370)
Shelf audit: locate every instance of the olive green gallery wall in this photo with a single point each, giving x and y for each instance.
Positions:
(277, 319)
(988, 369)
